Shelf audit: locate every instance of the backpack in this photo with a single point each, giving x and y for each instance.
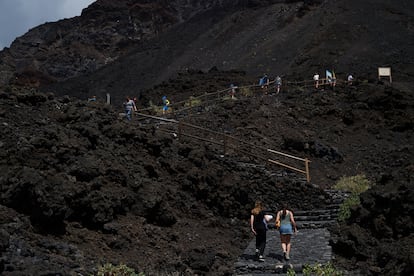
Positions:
(262, 81)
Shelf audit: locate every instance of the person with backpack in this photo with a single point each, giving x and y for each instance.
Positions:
(258, 225)
(264, 82)
(287, 226)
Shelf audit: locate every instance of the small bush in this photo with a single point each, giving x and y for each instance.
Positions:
(290, 272)
(345, 208)
(354, 184)
(321, 270)
(119, 270)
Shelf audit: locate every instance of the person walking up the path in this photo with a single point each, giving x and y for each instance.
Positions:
(287, 228)
(264, 83)
(258, 225)
(232, 90)
(166, 103)
(350, 79)
(316, 79)
(278, 84)
(129, 106)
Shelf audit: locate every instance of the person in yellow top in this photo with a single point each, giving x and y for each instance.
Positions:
(286, 229)
(166, 103)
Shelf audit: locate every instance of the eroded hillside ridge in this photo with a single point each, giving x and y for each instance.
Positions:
(105, 31)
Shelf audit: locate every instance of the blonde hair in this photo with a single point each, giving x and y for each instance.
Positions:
(258, 207)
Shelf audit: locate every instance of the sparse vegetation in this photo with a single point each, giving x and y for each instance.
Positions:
(117, 270)
(355, 185)
(157, 110)
(192, 101)
(290, 272)
(321, 270)
(246, 91)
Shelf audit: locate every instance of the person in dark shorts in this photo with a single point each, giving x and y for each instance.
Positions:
(258, 225)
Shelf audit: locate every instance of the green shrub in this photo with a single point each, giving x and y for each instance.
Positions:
(290, 272)
(321, 270)
(119, 270)
(354, 184)
(345, 208)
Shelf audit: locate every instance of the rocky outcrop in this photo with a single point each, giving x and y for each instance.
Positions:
(378, 237)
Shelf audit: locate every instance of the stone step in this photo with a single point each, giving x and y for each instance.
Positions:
(315, 224)
(316, 218)
(316, 214)
(309, 246)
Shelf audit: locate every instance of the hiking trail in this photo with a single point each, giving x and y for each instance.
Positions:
(309, 246)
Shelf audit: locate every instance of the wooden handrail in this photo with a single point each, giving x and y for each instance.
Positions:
(225, 142)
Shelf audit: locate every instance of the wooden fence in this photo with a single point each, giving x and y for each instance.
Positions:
(227, 142)
(188, 106)
(230, 144)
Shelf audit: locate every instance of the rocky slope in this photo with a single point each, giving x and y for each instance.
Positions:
(79, 187)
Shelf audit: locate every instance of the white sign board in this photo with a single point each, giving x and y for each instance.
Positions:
(384, 72)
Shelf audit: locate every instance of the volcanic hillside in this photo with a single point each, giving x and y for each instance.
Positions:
(81, 187)
(143, 44)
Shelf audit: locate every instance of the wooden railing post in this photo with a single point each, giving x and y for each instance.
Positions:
(307, 170)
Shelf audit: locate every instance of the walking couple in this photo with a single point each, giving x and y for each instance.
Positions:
(284, 221)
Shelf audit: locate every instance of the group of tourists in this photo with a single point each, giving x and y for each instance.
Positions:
(259, 224)
(130, 106)
(264, 83)
(330, 79)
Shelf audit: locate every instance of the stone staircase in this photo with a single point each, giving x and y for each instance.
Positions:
(309, 246)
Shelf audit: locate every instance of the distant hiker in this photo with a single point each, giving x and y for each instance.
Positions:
(264, 82)
(278, 84)
(316, 79)
(166, 103)
(232, 90)
(129, 106)
(287, 228)
(258, 225)
(331, 78)
(350, 79)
